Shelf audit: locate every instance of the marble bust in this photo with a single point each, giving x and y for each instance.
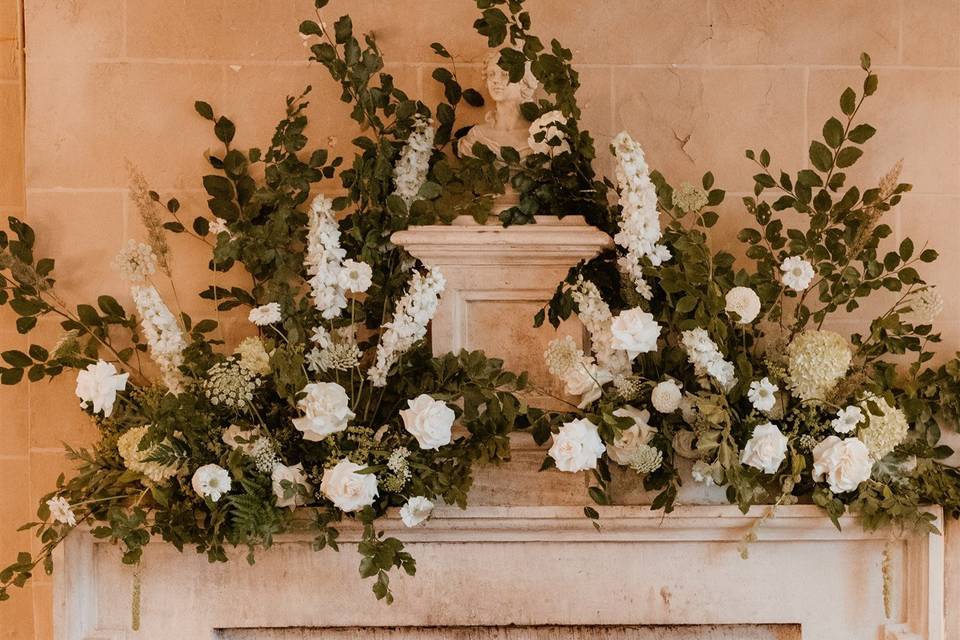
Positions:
(503, 125)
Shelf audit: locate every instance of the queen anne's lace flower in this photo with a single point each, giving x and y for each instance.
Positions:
(639, 231)
(816, 361)
(596, 317)
(409, 324)
(689, 198)
(230, 384)
(705, 356)
(410, 172)
(544, 130)
(163, 334)
(263, 451)
(886, 431)
(797, 273)
(137, 262)
(135, 459)
(253, 356)
(926, 305)
(339, 356)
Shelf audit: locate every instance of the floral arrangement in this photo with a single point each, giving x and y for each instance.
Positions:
(732, 377)
(333, 401)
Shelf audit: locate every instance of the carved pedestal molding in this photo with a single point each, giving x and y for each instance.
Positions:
(528, 566)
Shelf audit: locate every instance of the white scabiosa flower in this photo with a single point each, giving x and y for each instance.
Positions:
(409, 325)
(844, 464)
(97, 387)
(743, 304)
(429, 421)
(884, 432)
(705, 356)
(625, 449)
(640, 232)
(763, 394)
(926, 305)
(766, 449)
(163, 334)
(410, 172)
(266, 314)
(634, 331)
(326, 409)
(355, 277)
(416, 511)
(546, 137)
(61, 511)
(797, 273)
(816, 362)
(347, 489)
(290, 485)
(666, 396)
(577, 446)
(211, 481)
(847, 419)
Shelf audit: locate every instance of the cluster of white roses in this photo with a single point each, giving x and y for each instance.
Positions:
(410, 171)
(409, 325)
(640, 222)
(331, 276)
(706, 358)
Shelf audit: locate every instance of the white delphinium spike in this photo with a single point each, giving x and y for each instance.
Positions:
(595, 315)
(410, 172)
(163, 334)
(414, 311)
(639, 222)
(324, 259)
(706, 358)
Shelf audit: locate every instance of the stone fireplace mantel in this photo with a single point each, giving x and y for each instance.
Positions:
(530, 566)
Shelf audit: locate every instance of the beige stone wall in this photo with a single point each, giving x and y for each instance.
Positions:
(696, 81)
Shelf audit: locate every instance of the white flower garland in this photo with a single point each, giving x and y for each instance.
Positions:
(596, 317)
(640, 223)
(706, 358)
(163, 334)
(410, 172)
(414, 311)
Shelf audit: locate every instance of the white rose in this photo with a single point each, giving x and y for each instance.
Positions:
(348, 490)
(797, 273)
(61, 511)
(744, 302)
(623, 450)
(586, 380)
(237, 437)
(766, 450)
(763, 394)
(326, 409)
(296, 481)
(211, 481)
(666, 396)
(843, 463)
(355, 276)
(416, 511)
(847, 419)
(546, 124)
(429, 421)
(635, 331)
(265, 315)
(98, 385)
(577, 446)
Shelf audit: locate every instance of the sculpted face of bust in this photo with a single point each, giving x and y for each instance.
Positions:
(503, 125)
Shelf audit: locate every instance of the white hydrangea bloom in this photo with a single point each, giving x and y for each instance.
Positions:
(639, 231)
(886, 431)
(163, 334)
(705, 356)
(762, 394)
(411, 169)
(596, 317)
(135, 459)
(926, 305)
(797, 273)
(253, 355)
(409, 325)
(816, 361)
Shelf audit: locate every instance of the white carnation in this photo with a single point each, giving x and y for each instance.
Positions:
(744, 303)
(577, 446)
